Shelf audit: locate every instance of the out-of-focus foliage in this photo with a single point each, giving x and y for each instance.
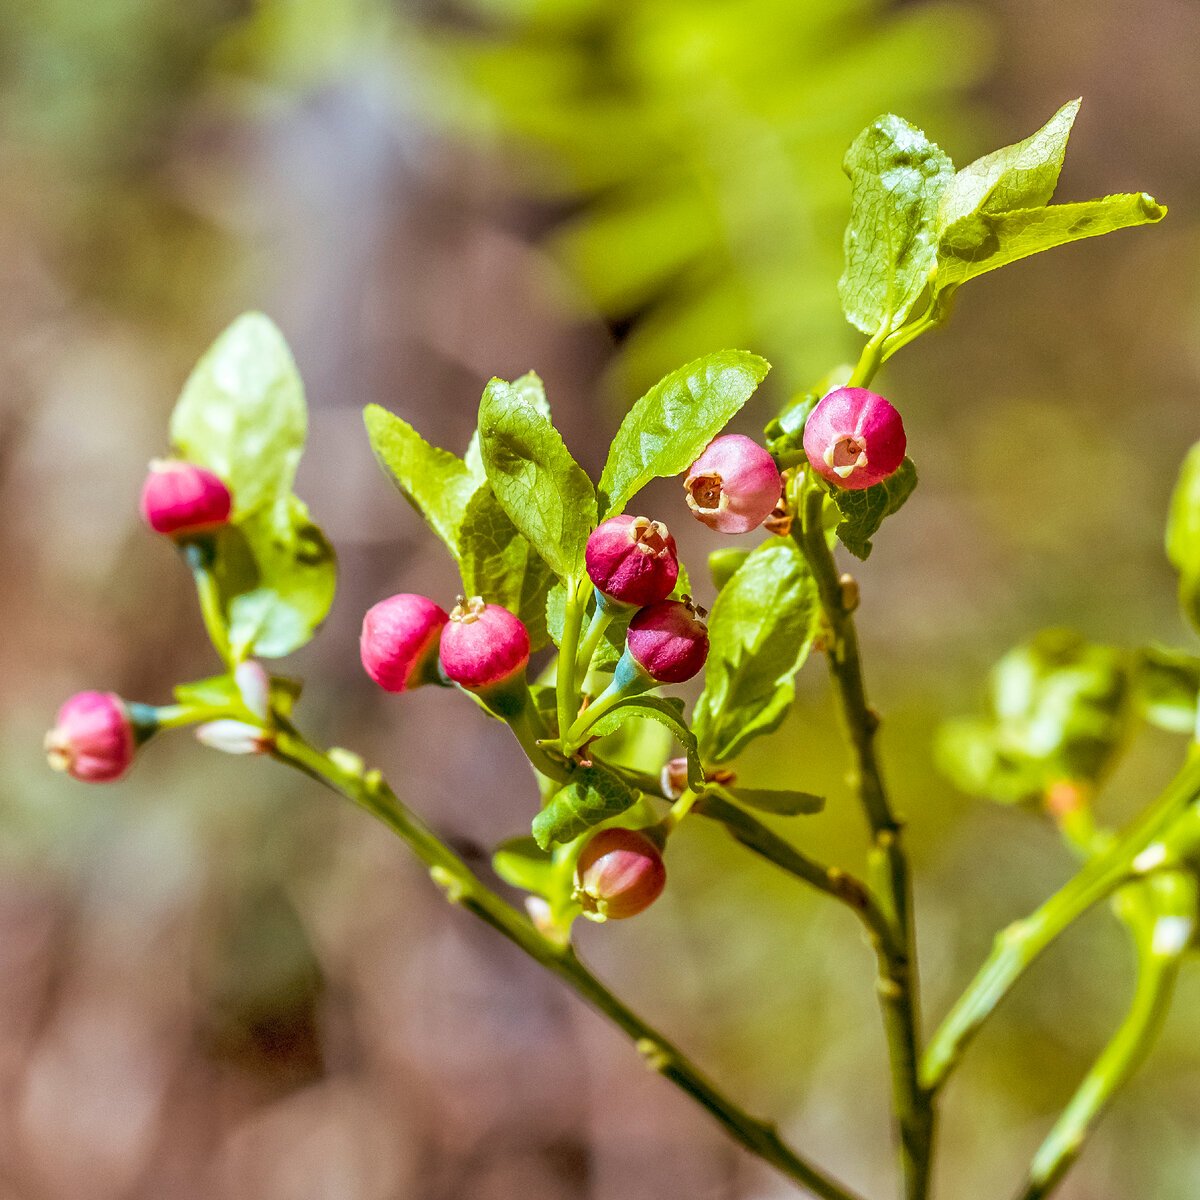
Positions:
(698, 147)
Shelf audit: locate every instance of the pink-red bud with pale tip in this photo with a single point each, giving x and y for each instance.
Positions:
(620, 873)
(483, 645)
(668, 640)
(854, 438)
(180, 498)
(734, 486)
(399, 642)
(632, 560)
(93, 738)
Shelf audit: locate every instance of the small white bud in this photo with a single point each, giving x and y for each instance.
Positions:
(234, 737)
(254, 686)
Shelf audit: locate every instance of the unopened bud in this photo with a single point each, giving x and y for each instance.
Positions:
(620, 873)
(93, 738)
(254, 687)
(234, 737)
(181, 498)
(632, 560)
(668, 640)
(483, 645)
(399, 642)
(854, 438)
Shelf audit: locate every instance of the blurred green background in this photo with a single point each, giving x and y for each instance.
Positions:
(214, 982)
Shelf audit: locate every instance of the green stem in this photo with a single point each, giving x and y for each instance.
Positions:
(601, 706)
(1021, 943)
(898, 983)
(566, 692)
(1157, 974)
(368, 790)
(602, 617)
(869, 362)
(198, 556)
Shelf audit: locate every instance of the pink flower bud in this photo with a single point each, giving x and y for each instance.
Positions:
(854, 438)
(93, 738)
(632, 560)
(181, 498)
(234, 737)
(254, 687)
(734, 485)
(620, 873)
(668, 640)
(399, 642)
(483, 645)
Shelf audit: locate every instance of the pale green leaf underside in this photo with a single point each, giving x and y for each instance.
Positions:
(667, 711)
(984, 241)
(437, 483)
(521, 863)
(1183, 534)
(665, 431)
(897, 178)
(1023, 175)
(545, 493)
(760, 632)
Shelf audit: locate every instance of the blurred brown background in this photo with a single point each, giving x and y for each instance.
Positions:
(217, 983)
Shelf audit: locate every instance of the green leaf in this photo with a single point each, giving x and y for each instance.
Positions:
(217, 691)
(545, 493)
(781, 803)
(723, 563)
(1060, 709)
(1023, 175)
(983, 241)
(1183, 535)
(863, 510)
(435, 482)
(593, 795)
(897, 178)
(498, 564)
(242, 414)
(531, 389)
(521, 863)
(1168, 688)
(760, 632)
(666, 710)
(665, 431)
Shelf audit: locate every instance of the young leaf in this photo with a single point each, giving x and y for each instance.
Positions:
(531, 389)
(1183, 535)
(760, 632)
(276, 573)
(781, 803)
(591, 796)
(1023, 175)
(498, 564)
(983, 241)
(723, 563)
(521, 863)
(897, 178)
(435, 482)
(545, 493)
(863, 510)
(665, 431)
(666, 710)
(1167, 683)
(242, 414)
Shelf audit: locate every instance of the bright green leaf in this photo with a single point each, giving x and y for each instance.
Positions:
(521, 863)
(591, 796)
(242, 413)
(1023, 175)
(435, 482)
(665, 431)
(1168, 688)
(723, 563)
(667, 711)
(781, 803)
(983, 241)
(498, 564)
(217, 691)
(760, 632)
(539, 485)
(1183, 535)
(863, 509)
(897, 178)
